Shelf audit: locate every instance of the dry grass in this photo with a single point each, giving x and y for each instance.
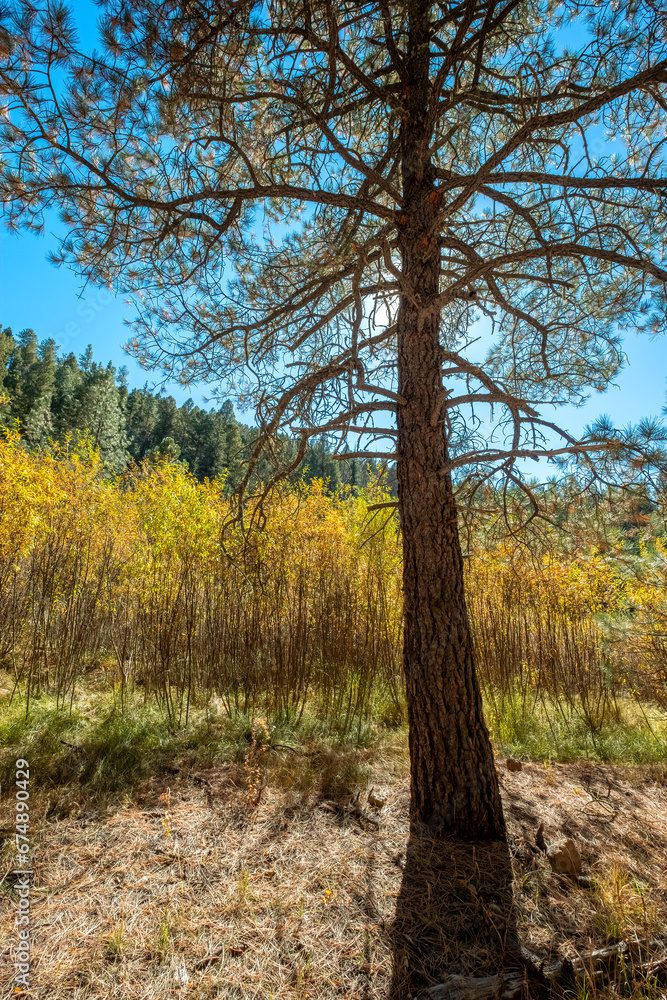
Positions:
(618, 819)
(292, 898)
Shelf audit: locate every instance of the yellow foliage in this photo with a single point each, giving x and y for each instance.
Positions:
(149, 575)
(150, 568)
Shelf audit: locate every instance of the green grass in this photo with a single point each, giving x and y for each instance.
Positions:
(94, 745)
(105, 750)
(551, 730)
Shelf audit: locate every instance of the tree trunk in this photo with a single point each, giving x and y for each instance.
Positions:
(454, 781)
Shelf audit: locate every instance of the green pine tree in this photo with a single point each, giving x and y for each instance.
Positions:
(142, 417)
(30, 377)
(95, 411)
(233, 444)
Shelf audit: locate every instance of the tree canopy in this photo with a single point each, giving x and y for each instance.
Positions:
(241, 166)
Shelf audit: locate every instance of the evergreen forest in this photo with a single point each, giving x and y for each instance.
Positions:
(58, 399)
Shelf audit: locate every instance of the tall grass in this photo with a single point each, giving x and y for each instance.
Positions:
(145, 576)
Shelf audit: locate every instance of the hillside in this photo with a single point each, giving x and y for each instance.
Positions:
(58, 398)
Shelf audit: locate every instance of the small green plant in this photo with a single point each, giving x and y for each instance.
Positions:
(115, 944)
(244, 878)
(163, 940)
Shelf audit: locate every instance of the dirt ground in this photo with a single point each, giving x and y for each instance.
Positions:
(189, 889)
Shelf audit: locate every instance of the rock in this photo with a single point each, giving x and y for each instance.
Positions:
(514, 765)
(564, 857)
(376, 801)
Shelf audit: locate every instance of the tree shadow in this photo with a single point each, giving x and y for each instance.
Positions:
(454, 916)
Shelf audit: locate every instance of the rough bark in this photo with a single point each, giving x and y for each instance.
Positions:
(454, 781)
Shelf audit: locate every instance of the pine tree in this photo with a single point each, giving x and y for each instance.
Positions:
(142, 412)
(234, 453)
(95, 412)
(38, 385)
(7, 347)
(319, 464)
(38, 425)
(211, 457)
(67, 382)
(416, 165)
(30, 377)
(167, 450)
(169, 422)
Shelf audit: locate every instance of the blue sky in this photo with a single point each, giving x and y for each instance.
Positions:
(34, 293)
(53, 301)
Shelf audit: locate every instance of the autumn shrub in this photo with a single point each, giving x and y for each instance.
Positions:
(536, 629)
(583, 634)
(59, 529)
(148, 575)
(642, 630)
(148, 578)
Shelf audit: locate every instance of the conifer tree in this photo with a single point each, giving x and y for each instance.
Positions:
(68, 378)
(30, 376)
(142, 416)
(320, 465)
(6, 349)
(317, 199)
(38, 425)
(167, 450)
(95, 411)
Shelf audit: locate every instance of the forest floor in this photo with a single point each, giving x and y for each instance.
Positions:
(190, 886)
